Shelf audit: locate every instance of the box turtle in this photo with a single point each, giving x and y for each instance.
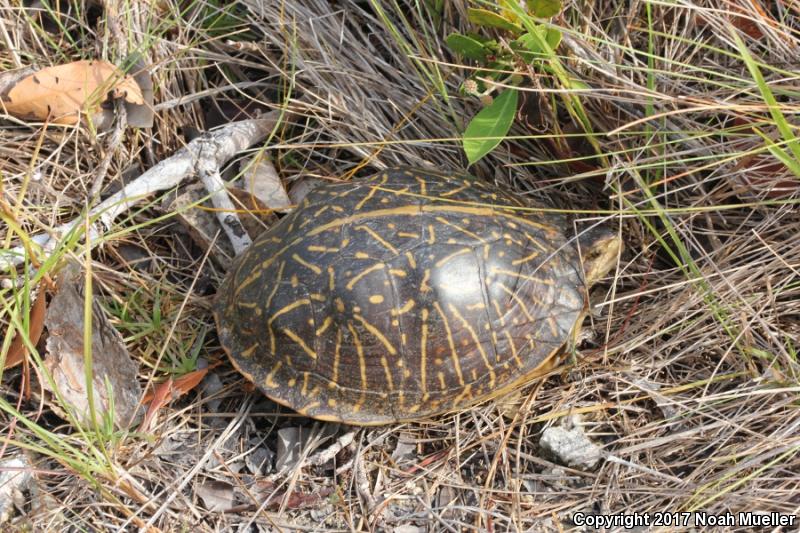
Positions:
(404, 295)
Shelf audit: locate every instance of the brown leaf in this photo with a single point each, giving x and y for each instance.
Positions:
(171, 389)
(111, 362)
(62, 92)
(160, 397)
(762, 175)
(175, 388)
(216, 495)
(18, 352)
(743, 18)
(301, 500)
(296, 499)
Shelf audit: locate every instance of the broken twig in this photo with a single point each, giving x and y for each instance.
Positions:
(207, 152)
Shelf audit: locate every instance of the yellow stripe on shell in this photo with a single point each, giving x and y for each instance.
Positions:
(477, 342)
(451, 343)
(314, 268)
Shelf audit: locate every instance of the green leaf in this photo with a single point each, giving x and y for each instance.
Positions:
(528, 45)
(466, 46)
(544, 8)
(490, 126)
(551, 35)
(490, 19)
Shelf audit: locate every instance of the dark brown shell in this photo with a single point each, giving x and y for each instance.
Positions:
(399, 296)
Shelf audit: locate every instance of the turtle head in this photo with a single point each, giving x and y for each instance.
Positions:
(599, 248)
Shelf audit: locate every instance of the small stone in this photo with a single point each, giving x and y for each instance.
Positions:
(408, 529)
(570, 447)
(259, 460)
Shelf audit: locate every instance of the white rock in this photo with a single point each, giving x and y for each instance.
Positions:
(15, 477)
(570, 447)
(408, 529)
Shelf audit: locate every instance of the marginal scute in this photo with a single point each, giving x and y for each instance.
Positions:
(410, 293)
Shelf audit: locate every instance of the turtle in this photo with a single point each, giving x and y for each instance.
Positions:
(405, 295)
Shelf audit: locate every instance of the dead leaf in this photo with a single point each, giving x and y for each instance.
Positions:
(10, 78)
(294, 443)
(170, 390)
(262, 489)
(160, 397)
(179, 386)
(262, 181)
(259, 458)
(745, 19)
(302, 500)
(216, 495)
(142, 115)
(405, 449)
(18, 352)
(764, 176)
(111, 362)
(62, 92)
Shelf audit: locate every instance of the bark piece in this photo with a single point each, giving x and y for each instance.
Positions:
(113, 371)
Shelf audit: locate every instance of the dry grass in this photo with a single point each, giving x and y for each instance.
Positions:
(690, 382)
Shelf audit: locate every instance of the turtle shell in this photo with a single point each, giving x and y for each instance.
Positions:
(399, 296)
